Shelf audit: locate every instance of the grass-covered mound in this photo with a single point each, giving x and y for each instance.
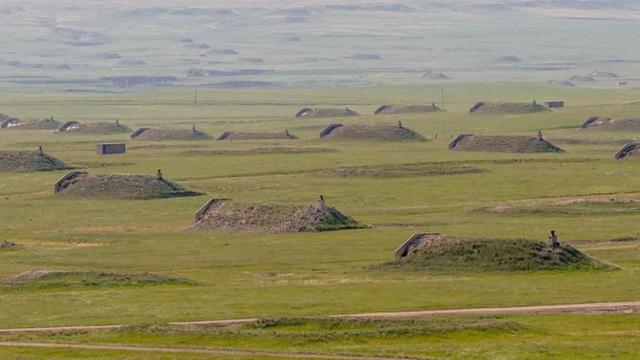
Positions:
(571, 207)
(305, 331)
(325, 113)
(119, 186)
(7, 244)
(440, 253)
(34, 124)
(224, 215)
(75, 127)
(490, 108)
(398, 170)
(404, 109)
(561, 83)
(271, 150)
(147, 134)
(29, 161)
(371, 132)
(514, 144)
(228, 135)
(615, 124)
(628, 151)
(50, 279)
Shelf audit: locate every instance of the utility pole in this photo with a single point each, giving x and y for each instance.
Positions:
(195, 95)
(442, 96)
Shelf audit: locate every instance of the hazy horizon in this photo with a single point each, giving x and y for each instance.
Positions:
(74, 45)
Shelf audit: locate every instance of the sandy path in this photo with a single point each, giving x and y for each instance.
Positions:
(628, 306)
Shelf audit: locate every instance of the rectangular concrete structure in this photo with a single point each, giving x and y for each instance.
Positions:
(59, 185)
(108, 149)
(554, 104)
(211, 203)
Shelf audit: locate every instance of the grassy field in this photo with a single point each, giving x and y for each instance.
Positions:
(592, 336)
(414, 187)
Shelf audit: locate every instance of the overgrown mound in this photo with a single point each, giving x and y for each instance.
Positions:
(615, 124)
(579, 78)
(75, 127)
(7, 122)
(561, 82)
(439, 253)
(404, 109)
(323, 113)
(224, 215)
(433, 75)
(48, 278)
(228, 135)
(371, 132)
(515, 144)
(572, 207)
(29, 161)
(146, 134)
(490, 108)
(398, 170)
(628, 151)
(604, 74)
(119, 186)
(7, 244)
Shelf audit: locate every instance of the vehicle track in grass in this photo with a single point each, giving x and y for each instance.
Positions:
(602, 307)
(193, 350)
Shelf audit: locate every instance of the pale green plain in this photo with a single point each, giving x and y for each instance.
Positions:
(315, 274)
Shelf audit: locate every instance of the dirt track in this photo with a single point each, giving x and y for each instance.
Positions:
(179, 350)
(617, 307)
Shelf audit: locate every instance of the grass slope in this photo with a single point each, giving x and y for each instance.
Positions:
(56, 279)
(416, 169)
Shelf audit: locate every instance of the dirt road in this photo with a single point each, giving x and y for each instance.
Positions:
(628, 306)
(185, 350)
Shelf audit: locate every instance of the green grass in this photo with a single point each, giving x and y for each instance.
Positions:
(313, 274)
(416, 169)
(62, 279)
(612, 207)
(590, 336)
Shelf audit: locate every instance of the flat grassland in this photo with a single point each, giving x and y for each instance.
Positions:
(413, 187)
